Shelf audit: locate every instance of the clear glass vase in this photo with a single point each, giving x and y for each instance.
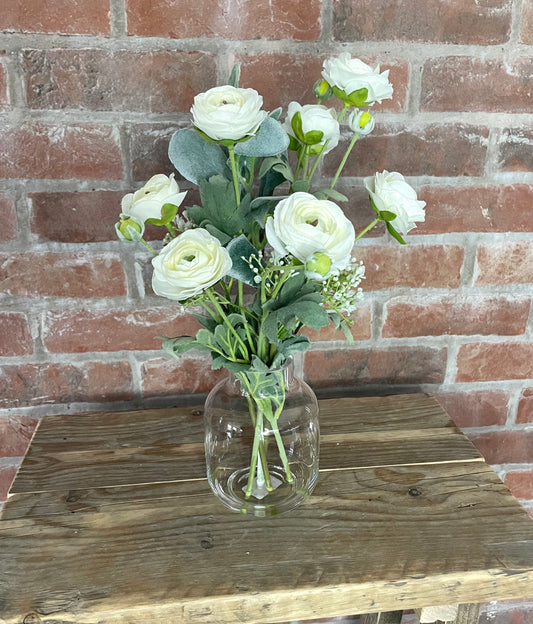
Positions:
(262, 441)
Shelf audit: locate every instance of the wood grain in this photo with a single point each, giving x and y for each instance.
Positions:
(123, 528)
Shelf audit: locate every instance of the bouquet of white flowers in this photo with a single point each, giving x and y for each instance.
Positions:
(266, 253)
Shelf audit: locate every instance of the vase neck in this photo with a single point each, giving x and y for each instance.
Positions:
(254, 382)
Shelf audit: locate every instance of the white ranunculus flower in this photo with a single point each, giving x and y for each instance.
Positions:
(146, 203)
(351, 74)
(189, 264)
(390, 191)
(315, 117)
(303, 225)
(228, 112)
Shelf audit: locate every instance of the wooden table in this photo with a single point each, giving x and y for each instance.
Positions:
(110, 520)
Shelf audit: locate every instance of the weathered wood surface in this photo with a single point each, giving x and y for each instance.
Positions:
(374, 537)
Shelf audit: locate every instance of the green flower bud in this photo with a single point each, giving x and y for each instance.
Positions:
(322, 90)
(129, 229)
(319, 265)
(361, 122)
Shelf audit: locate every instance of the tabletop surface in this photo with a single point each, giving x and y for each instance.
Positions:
(110, 520)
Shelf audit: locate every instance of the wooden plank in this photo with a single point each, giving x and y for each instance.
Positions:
(371, 543)
(389, 617)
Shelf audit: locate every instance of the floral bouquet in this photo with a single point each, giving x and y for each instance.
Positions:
(269, 251)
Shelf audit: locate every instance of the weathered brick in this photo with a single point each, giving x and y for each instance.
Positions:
(354, 367)
(262, 19)
(62, 275)
(417, 266)
(158, 82)
(189, 375)
(526, 23)
(4, 100)
(85, 331)
(81, 217)
(7, 475)
(505, 447)
(149, 150)
(454, 21)
(505, 262)
(8, 219)
(407, 316)
(485, 361)
(441, 91)
(59, 152)
(60, 16)
(435, 150)
(15, 338)
(282, 78)
(15, 435)
(360, 330)
(516, 149)
(525, 407)
(358, 208)
(475, 409)
(520, 483)
(38, 384)
(476, 209)
(518, 615)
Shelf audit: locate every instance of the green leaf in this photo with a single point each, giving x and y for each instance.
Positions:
(270, 140)
(235, 75)
(293, 345)
(296, 125)
(313, 137)
(307, 312)
(276, 113)
(395, 234)
(195, 158)
(234, 367)
(207, 321)
(262, 206)
(374, 207)
(329, 193)
(355, 98)
(386, 215)
(301, 186)
(219, 207)
(176, 346)
(238, 248)
(279, 164)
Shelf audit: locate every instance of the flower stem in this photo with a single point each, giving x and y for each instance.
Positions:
(221, 312)
(148, 246)
(368, 228)
(344, 159)
(231, 150)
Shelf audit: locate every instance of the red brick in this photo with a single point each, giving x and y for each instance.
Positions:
(60, 16)
(62, 275)
(485, 361)
(525, 407)
(189, 375)
(60, 152)
(262, 19)
(475, 409)
(526, 23)
(519, 615)
(149, 150)
(476, 209)
(113, 330)
(48, 383)
(8, 219)
(407, 316)
(417, 266)
(81, 217)
(7, 475)
(435, 150)
(520, 483)
(516, 149)
(475, 91)
(291, 77)
(354, 367)
(15, 338)
(454, 21)
(505, 262)
(158, 82)
(15, 435)
(4, 100)
(360, 330)
(505, 447)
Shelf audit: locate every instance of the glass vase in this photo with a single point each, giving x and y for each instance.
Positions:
(262, 441)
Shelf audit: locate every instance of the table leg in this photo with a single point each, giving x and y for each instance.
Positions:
(386, 617)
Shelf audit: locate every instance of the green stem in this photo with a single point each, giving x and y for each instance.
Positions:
(317, 160)
(368, 227)
(171, 229)
(231, 150)
(149, 247)
(343, 112)
(221, 312)
(255, 453)
(344, 159)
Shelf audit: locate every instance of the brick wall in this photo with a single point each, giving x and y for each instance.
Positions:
(90, 93)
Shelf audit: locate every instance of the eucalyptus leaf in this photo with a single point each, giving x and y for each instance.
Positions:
(270, 140)
(329, 193)
(301, 186)
(238, 249)
(195, 158)
(177, 346)
(235, 75)
(276, 113)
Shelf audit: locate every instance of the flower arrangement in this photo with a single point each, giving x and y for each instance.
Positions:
(267, 252)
